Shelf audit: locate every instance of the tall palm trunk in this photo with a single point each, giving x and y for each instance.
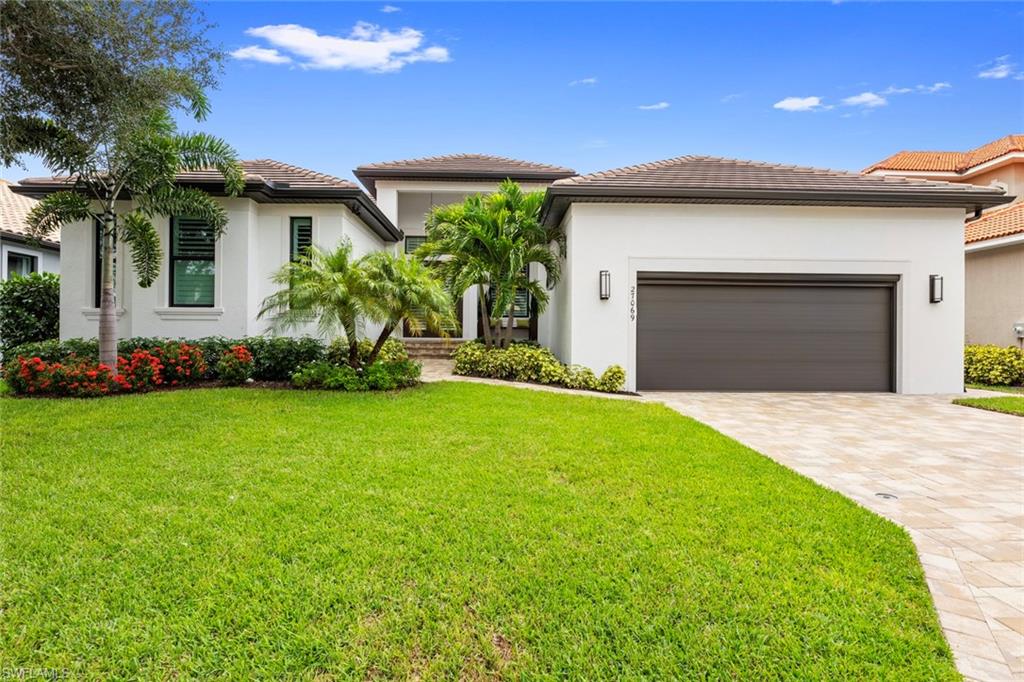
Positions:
(108, 302)
(385, 334)
(509, 324)
(485, 317)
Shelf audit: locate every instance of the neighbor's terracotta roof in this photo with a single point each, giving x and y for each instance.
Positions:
(14, 210)
(952, 162)
(999, 222)
(461, 167)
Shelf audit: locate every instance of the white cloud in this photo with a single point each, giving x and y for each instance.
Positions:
(865, 99)
(590, 80)
(731, 97)
(800, 104)
(919, 89)
(260, 54)
(1001, 67)
(654, 107)
(368, 47)
(389, 9)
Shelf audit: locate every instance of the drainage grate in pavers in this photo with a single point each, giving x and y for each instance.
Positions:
(886, 496)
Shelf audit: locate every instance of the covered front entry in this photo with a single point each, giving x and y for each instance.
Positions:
(765, 332)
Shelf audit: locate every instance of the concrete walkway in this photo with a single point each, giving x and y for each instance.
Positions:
(953, 476)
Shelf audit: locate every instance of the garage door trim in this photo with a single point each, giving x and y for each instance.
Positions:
(748, 279)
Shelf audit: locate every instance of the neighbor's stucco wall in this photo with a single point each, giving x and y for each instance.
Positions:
(995, 295)
(254, 245)
(47, 260)
(630, 238)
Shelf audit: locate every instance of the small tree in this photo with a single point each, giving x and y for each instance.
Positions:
(490, 242)
(141, 161)
(326, 286)
(403, 289)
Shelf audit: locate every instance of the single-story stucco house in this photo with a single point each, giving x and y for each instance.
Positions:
(692, 273)
(20, 255)
(993, 240)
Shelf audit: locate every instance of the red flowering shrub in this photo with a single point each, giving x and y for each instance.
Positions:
(182, 363)
(74, 378)
(235, 365)
(141, 372)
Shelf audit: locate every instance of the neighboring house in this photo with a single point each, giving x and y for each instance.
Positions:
(19, 255)
(994, 241)
(692, 273)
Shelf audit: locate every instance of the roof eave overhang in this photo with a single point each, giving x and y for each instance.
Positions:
(558, 198)
(269, 192)
(370, 176)
(17, 237)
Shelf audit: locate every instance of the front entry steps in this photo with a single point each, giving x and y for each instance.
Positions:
(431, 349)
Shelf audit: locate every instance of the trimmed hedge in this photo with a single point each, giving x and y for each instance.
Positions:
(273, 358)
(530, 363)
(29, 310)
(993, 365)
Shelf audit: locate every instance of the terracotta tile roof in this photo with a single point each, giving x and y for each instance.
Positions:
(707, 179)
(709, 172)
(274, 172)
(999, 222)
(953, 162)
(14, 210)
(461, 167)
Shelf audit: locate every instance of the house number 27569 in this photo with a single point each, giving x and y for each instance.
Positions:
(632, 304)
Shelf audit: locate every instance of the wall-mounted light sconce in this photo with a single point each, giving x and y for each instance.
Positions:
(935, 288)
(605, 284)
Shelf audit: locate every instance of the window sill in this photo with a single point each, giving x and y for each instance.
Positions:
(175, 313)
(93, 314)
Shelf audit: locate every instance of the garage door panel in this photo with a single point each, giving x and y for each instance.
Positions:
(764, 336)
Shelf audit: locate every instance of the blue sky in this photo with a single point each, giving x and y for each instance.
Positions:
(598, 85)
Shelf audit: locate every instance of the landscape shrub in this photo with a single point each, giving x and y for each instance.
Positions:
(580, 377)
(380, 376)
(183, 363)
(235, 365)
(532, 363)
(29, 310)
(142, 371)
(613, 379)
(393, 350)
(276, 358)
(78, 379)
(993, 365)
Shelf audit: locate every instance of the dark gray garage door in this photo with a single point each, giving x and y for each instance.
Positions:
(764, 333)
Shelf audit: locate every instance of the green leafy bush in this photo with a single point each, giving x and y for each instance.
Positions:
(993, 365)
(380, 376)
(580, 377)
(532, 363)
(613, 379)
(29, 309)
(276, 358)
(235, 365)
(393, 350)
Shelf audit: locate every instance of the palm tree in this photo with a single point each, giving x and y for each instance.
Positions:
(490, 242)
(140, 160)
(328, 286)
(400, 288)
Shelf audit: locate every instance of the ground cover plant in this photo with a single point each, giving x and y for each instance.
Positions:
(531, 363)
(993, 365)
(456, 531)
(1007, 405)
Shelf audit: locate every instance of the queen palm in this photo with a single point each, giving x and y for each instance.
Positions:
(490, 242)
(138, 159)
(326, 286)
(400, 288)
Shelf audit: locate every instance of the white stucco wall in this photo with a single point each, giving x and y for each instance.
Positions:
(630, 238)
(254, 245)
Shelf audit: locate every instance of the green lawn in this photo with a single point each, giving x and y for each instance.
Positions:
(1009, 404)
(1001, 389)
(453, 530)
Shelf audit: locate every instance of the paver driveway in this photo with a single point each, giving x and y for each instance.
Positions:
(952, 475)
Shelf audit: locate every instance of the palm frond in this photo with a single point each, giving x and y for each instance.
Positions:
(175, 200)
(54, 210)
(138, 233)
(197, 151)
